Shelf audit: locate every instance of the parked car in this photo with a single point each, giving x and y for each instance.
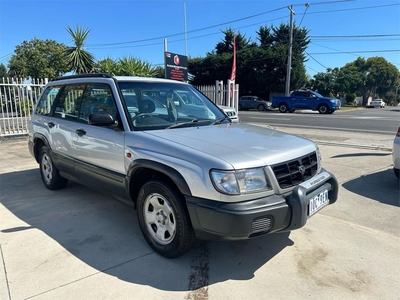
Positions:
(396, 154)
(189, 171)
(306, 99)
(230, 112)
(377, 103)
(253, 102)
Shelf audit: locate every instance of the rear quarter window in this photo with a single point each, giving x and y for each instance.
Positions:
(47, 99)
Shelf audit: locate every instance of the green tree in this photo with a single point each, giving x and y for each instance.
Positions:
(260, 67)
(38, 59)
(370, 77)
(130, 66)
(80, 60)
(3, 71)
(107, 65)
(226, 45)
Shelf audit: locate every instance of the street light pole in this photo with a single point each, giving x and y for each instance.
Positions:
(289, 64)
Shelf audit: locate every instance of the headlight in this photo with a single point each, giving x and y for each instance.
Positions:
(333, 101)
(241, 181)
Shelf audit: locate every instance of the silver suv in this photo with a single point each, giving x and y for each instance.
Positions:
(191, 173)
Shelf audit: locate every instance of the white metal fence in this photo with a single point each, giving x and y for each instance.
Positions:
(222, 94)
(17, 99)
(19, 96)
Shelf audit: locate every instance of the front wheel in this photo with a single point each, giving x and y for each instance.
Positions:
(49, 173)
(164, 220)
(283, 108)
(261, 107)
(323, 109)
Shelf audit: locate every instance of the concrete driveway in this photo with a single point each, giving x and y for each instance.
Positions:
(79, 244)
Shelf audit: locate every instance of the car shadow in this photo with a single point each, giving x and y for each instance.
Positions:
(382, 186)
(104, 234)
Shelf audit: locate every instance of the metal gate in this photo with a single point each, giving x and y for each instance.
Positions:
(18, 97)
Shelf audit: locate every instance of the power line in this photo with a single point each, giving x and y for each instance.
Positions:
(191, 31)
(244, 18)
(353, 52)
(353, 36)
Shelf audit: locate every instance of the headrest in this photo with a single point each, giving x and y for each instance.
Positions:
(147, 106)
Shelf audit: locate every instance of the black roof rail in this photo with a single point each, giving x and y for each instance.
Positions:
(104, 75)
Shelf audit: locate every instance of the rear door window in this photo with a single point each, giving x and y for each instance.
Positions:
(67, 106)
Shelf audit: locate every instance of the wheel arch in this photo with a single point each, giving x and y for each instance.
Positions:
(142, 170)
(39, 140)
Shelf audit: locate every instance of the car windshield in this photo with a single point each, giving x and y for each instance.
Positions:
(164, 105)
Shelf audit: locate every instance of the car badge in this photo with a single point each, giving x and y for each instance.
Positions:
(302, 169)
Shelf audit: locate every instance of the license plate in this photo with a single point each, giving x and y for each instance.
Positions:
(318, 202)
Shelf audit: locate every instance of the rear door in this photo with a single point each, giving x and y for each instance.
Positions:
(99, 151)
(63, 124)
(299, 100)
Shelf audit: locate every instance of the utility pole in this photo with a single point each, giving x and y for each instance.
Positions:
(289, 64)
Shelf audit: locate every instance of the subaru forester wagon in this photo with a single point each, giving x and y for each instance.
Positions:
(191, 173)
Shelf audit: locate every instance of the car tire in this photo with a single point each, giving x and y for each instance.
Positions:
(261, 107)
(397, 172)
(164, 219)
(292, 110)
(239, 107)
(50, 175)
(323, 109)
(283, 108)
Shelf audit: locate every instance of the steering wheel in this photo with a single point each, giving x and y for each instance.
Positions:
(141, 115)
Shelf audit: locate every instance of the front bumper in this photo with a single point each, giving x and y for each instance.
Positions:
(214, 220)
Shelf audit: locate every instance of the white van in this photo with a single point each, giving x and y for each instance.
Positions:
(377, 103)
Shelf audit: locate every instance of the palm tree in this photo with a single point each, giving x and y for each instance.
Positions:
(108, 65)
(130, 66)
(80, 60)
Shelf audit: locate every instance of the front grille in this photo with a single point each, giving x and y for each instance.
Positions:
(230, 113)
(294, 172)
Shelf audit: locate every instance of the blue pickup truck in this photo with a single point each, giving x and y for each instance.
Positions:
(306, 99)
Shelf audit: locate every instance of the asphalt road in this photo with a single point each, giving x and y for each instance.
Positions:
(79, 244)
(372, 120)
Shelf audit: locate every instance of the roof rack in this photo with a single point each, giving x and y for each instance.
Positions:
(104, 75)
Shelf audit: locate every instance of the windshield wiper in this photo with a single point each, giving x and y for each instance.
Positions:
(219, 121)
(194, 121)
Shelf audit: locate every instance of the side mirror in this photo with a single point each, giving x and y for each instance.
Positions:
(101, 120)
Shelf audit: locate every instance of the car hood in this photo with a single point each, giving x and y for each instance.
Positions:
(239, 145)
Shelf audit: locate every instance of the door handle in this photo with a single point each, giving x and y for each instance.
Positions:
(80, 131)
(51, 124)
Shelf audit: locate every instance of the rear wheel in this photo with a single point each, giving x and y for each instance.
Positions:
(283, 108)
(49, 173)
(240, 107)
(164, 220)
(323, 109)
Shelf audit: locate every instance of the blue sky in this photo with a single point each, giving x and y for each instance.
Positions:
(340, 31)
